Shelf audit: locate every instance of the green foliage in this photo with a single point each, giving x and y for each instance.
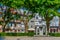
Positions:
(2, 34)
(11, 34)
(16, 16)
(17, 34)
(8, 16)
(40, 6)
(30, 16)
(46, 8)
(55, 34)
(13, 3)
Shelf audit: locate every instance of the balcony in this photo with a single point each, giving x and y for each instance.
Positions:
(37, 23)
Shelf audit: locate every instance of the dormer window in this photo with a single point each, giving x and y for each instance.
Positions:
(36, 17)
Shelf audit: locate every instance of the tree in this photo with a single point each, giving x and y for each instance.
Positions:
(46, 8)
(7, 16)
(12, 3)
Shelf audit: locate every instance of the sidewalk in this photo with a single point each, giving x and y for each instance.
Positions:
(32, 38)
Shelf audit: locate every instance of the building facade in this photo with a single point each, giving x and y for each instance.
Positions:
(54, 25)
(38, 25)
(15, 26)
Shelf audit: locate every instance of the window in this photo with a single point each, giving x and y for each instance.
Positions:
(38, 30)
(56, 20)
(32, 21)
(22, 30)
(41, 28)
(22, 26)
(39, 21)
(18, 30)
(10, 24)
(13, 25)
(54, 30)
(51, 30)
(36, 17)
(18, 25)
(31, 26)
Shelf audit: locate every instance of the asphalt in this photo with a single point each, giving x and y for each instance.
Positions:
(32, 38)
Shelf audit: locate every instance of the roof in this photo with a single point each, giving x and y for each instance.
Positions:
(16, 22)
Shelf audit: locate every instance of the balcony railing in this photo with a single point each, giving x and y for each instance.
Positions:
(37, 23)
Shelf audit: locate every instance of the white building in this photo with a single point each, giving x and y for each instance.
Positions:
(54, 25)
(54, 21)
(38, 25)
(16, 27)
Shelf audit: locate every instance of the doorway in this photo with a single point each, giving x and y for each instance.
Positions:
(39, 30)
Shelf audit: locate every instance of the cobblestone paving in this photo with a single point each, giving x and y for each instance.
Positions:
(32, 38)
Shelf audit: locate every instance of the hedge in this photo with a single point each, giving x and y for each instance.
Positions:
(55, 34)
(17, 34)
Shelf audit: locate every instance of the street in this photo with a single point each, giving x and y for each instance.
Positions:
(32, 38)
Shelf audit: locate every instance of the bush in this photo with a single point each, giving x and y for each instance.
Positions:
(17, 34)
(21, 34)
(30, 34)
(2, 34)
(11, 34)
(55, 34)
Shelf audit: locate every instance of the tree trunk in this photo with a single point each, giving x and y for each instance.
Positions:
(4, 25)
(4, 28)
(47, 24)
(26, 25)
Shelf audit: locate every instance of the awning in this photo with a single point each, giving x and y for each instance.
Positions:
(31, 29)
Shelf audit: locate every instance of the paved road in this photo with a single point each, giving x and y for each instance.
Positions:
(32, 38)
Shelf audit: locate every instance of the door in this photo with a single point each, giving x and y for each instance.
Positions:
(39, 30)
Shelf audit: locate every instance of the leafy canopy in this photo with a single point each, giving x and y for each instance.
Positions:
(13, 3)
